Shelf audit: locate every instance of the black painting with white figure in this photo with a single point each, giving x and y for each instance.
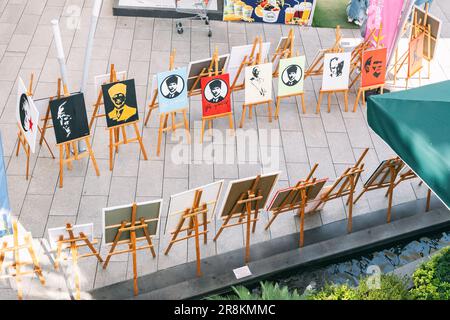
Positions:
(27, 115)
(258, 83)
(69, 118)
(336, 71)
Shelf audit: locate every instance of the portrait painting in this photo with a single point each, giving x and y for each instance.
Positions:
(258, 83)
(216, 95)
(69, 118)
(336, 71)
(172, 90)
(27, 115)
(291, 76)
(415, 55)
(373, 71)
(120, 103)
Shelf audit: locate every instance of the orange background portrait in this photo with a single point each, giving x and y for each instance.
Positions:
(373, 67)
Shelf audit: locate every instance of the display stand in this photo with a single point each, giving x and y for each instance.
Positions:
(248, 216)
(329, 92)
(357, 55)
(408, 175)
(285, 51)
(193, 229)
(384, 177)
(48, 118)
(72, 244)
(343, 186)
(423, 26)
(210, 119)
(316, 68)
(131, 227)
(17, 264)
(247, 62)
(154, 103)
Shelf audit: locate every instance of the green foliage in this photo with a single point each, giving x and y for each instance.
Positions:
(335, 292)
(269, 291)
(432, 279)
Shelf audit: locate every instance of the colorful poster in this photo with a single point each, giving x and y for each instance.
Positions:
(295, 12)
(216, 95)
(5, 210)
(69, 118)
(415, 55)
(385, 13)
(258, 83)
(120, 103)
(291, 76)
(172, 90)
(373, 70)
(336, 71)
(27, 115)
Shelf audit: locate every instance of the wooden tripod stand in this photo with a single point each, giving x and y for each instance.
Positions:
(17, 264)
(284, 50)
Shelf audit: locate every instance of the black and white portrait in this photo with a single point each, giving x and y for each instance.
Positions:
(258, 83)
(216, 91)
(336, 72)
(69, 118)
(292, 75)
(172, 86)
(336, 67)
(27, 115)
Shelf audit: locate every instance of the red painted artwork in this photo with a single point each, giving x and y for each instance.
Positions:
(373, 68)
(216, 95)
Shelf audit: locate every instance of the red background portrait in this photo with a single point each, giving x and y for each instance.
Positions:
(415, 55)
(216, 95)
(373, 67)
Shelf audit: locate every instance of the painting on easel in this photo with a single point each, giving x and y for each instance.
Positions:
(336, 71)
(172, 90)
(120, 103)
(5, 217)
(216, 95)
(292, 75)
(373, 70)
(27, 115)
(69, 118)
(200, 68)
(415, 55)
(258, 81)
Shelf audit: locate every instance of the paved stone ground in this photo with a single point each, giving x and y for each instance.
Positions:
(141, 46)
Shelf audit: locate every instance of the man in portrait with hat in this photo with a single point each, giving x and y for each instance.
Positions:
(172, 85)
(118, 95)
(216, 90)
(292, 76)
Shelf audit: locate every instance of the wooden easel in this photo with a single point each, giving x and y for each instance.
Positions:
(390, 170)
(154, 103)
(296, 200)
(316, 67)
(423, 26)
(357, 53)
(73, 246)
(131, 226)
(362, 90)
(193, 229)
(250, 106)
(408, 175)
(47, 119)
(330, 92)
(246, 62)
(17, 264)
(23, 141)
(210, 119)
(286, 51)
(343, 186)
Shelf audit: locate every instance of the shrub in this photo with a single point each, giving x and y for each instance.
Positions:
(335, 292)
(269, 291)
(432, 278)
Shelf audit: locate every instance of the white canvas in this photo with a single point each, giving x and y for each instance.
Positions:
(238, 54)
(258, 83)
(104, 78)
(336, 71)
(27, 115)
(55, 233)
(184, 200)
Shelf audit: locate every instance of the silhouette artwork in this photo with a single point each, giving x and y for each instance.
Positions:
(216, 95)
(120, 103)
(374, 67)
(69, 118)
(258, 87)
(27, 115)
(291, 78)
(336, 67)
(172, 90)
(336, 71)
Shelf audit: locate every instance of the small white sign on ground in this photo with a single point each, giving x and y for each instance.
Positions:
(243, 272)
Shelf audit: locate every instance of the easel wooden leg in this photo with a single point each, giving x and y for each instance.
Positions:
(58, 253)
(250, 112)
(244, 109)
(391, 191)
(248, 225)
(302, 226)
(139, 137)
(355, 106)
(74, 252)
(61, 165)
(428, 200)
(363, 97)
(269, 109)
(303, 103)
(277, 107)
(149, 239)
(160, 133)
(37, 268)
(186, 126)
(346, 100)
(319, 103)
(205, 228)
(203, 130)
(91, 155)
(275, 215)
(350, 212)
(197, 246)
(28, 153)
(116, 239)
(175, 235)
(134, 255)
(329, 102)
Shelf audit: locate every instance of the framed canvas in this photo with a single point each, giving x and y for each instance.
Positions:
(196, 67)
(55, 233)
(113, 218)
(172, 90)
(336, 71)
(182, 201)
(120, 103)
(435, 28)
(238, 54)
(291, 76)
(216, 95)
(258, 83)
(104, 79)
(69, 118)
(373, 70)
(5, 210)
(27, 115)
(415, 55)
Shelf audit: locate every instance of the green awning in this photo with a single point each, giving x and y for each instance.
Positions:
(416, 125)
